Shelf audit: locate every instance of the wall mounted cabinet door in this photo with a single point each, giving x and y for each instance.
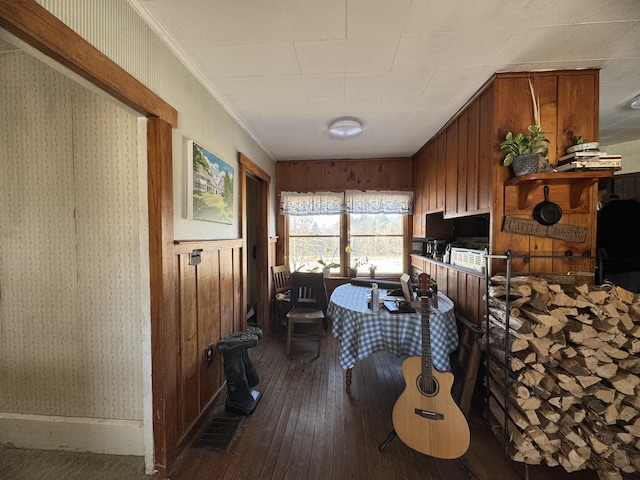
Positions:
(419, 190)
(451, 171)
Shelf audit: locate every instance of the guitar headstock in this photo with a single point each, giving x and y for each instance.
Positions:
(424, 285)
(428, 289)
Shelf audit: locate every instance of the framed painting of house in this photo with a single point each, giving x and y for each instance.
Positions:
(210, 186)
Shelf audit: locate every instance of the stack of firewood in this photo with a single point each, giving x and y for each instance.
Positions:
(569, 371)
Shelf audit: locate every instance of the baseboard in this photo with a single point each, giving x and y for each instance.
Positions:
(75, 434)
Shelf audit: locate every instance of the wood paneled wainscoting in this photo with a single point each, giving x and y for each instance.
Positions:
(208, 299)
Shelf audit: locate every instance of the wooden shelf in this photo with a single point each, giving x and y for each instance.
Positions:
(579, 184)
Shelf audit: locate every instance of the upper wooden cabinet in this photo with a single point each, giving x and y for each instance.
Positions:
(457, 164)
(464, 171)
(419, 210)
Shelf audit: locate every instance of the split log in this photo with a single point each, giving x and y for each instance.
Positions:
(606, 471)
(625, 382)
(574, 379)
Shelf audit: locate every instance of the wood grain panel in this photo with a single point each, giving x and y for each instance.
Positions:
(340, 175)
(461, 305)
(239, 309)
(472, 157)
(559, 193)
(188, 372)
(307, 176)
(283, 178)
(208, 323)
(226, 292)
(578, 109)
(471, 298)
(334, 174)
(546, 89)
(209, 308)
(163, 281)
(424, 159)
(451, 288)
(432, 179)
(419, 219)
(487, 152)
(441, 166)
(451, 170)
(462, 164)
(442, 275)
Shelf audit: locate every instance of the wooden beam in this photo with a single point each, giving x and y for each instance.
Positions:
(36, 26)
(162, 270)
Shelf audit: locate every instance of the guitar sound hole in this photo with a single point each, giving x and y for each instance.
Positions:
(428, 385)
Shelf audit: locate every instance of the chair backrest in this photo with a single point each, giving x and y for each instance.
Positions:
(281, 278)
(308, 290)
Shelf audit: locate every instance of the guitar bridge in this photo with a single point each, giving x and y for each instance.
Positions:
(429, 415)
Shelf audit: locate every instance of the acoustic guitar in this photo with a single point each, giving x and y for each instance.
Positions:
(425, 416)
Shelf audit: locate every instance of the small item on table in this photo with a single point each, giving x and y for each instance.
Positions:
(375, 297)
(434, 294)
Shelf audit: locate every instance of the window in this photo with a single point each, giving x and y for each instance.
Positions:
(377, 239)
(313, 238)
(322, 224)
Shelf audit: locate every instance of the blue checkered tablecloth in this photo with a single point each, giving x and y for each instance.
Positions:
(362, 332)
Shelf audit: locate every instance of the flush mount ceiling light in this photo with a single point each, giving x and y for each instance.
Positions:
(635, 103)
(345, 129)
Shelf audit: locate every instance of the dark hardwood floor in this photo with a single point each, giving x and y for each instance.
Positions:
(307, 427)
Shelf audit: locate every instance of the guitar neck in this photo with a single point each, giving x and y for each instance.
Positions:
(427, 364)
(425, 293)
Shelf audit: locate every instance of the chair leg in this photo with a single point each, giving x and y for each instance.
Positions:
(289, 332)
(319, 332)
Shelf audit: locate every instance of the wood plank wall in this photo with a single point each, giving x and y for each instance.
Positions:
(341, 175)
(568, 106)
(338, 176)
(208, 309)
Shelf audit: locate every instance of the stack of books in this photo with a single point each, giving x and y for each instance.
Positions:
(589, 160)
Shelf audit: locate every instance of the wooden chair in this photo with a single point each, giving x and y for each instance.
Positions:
(282, 285)
(309, 306)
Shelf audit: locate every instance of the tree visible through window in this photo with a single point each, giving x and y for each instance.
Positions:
(314, 238)
(375, 239)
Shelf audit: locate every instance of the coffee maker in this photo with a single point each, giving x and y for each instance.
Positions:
(439, 249)
(429, 248)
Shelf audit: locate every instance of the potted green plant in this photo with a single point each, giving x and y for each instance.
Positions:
(372, 271)
(527, 152)
(580, 145)
(352, 270)
(524, 150)
(328, 265)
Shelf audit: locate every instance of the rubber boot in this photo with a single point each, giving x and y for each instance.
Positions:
(240, 398)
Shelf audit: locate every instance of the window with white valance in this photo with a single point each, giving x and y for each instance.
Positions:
(317, 203)
(372, 201)
(321, 225)
(351, 201)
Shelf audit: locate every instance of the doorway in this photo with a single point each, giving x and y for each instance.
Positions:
(254, 198)
(252, 251)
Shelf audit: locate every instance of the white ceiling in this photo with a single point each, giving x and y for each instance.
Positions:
(285, 69)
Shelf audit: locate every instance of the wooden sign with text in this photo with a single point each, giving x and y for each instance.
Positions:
(524, 226)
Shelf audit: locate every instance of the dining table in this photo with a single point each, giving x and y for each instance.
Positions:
(363, 331)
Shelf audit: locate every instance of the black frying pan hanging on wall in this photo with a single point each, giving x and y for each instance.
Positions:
(547, 213)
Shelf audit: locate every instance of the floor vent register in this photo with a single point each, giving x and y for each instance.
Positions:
(221, 433)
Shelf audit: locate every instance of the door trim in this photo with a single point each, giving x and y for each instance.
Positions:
(262, 237)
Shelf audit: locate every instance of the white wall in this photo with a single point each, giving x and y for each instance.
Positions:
(73, 265)
(74, 299)
(116, 29)
(630, 152)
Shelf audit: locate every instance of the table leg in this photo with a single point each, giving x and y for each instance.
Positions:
(347, 380)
